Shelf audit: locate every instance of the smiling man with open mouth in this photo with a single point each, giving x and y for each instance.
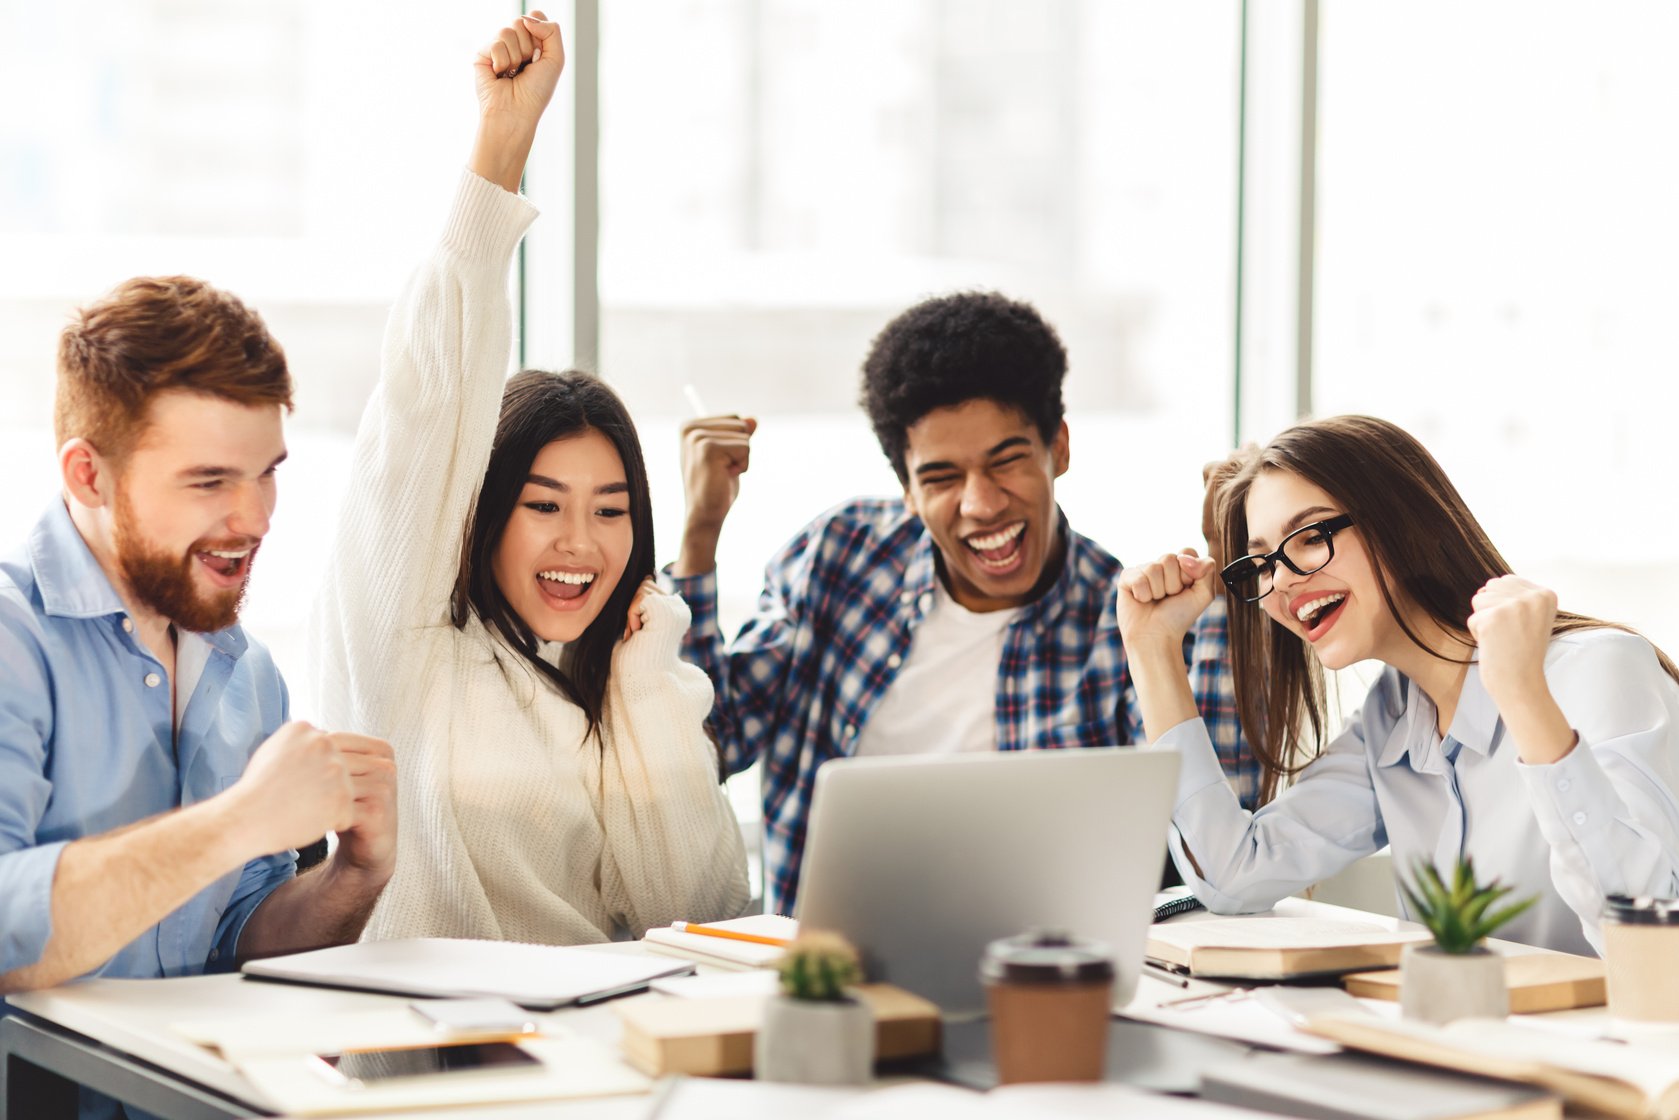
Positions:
(153, 789)
(966, 616)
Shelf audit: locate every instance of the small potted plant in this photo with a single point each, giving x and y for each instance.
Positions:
(1456, 977)
(815, 1031)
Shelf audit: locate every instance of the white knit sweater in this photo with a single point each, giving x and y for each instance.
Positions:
(510, 824)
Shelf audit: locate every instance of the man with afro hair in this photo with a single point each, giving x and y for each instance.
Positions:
(966, 616)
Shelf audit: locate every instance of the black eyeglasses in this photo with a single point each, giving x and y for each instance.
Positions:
(1305, 550)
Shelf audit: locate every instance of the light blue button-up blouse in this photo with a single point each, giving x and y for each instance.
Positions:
(1604, 819)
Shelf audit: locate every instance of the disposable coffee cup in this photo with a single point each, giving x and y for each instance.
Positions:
(1640, 946)
(1050, 997)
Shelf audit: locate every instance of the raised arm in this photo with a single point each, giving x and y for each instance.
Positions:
(426, 435)
(515, 76)
(1235, 860)
(751, 675)
(1158, 603)
(1594, 717)
(716, 451)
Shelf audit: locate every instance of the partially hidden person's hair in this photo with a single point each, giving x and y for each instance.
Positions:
(1426, 547)
(537, 408)
(1215, 476)
(153, 334)
(957, 348)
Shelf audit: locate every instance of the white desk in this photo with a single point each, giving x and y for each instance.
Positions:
(125, 1031)
(135, 1018)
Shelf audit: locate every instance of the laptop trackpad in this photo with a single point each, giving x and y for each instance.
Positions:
(1143, 1055)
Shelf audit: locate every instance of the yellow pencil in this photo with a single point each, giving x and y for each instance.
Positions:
(712, 931)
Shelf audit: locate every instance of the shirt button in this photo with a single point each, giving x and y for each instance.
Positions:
(215, 954)
(153, 680)
(894, 661)
(1562, 784)
(1579, 818)
(127, 625)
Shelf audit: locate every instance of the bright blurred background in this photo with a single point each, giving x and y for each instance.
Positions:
(1455, 216)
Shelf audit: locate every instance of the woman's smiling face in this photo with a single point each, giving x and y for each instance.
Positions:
(568, 540)
(1339, 610)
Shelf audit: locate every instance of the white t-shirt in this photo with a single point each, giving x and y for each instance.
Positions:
(192, 655)
(944, 700)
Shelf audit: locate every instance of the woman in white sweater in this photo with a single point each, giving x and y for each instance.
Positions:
(491, 611)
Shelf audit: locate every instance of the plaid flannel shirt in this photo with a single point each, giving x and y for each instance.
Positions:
(834, 623)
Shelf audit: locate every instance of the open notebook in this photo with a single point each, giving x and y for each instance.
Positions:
(536, 976)
(1595, 1077)
(721, 952)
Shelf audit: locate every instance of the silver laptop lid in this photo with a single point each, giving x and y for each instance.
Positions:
(922, 860)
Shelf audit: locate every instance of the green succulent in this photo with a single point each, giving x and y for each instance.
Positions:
(1459, 916)
(819, 966)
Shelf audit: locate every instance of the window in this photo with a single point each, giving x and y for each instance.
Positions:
(821, 167)
(300, 155)
(1495, 273)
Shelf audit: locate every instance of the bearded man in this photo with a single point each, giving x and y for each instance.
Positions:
(151, 786)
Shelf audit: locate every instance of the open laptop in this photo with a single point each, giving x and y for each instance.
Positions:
(922, 860)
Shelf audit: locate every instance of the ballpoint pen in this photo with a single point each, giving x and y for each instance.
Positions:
(1164, 975)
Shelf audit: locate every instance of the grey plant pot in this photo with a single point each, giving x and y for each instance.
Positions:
(1441, 987)
(815, 1042)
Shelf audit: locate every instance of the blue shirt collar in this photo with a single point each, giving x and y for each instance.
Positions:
(73, 585)
(922, 571)
(1476, 724)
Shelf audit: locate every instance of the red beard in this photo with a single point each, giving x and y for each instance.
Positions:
(164, 583)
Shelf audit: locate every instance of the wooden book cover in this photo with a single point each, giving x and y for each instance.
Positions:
(1538, 982)
(714, 1036)
(1592, 1076)
(1275, 947)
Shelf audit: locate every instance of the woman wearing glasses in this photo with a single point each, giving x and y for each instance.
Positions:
(1543, 744)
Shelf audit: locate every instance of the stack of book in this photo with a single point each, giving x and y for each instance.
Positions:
(713, 1036)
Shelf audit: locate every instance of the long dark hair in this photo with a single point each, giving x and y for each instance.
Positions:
(1423, 542)
(537, 408)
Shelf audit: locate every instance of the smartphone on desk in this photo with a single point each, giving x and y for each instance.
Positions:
(358, 1069)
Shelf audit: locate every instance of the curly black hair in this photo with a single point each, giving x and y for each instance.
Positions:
(957, 348)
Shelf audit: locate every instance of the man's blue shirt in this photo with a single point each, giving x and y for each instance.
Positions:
(835, 621)
(87, 745)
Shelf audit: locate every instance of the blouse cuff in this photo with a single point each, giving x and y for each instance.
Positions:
(1211, 897)
(1199, 766)
(1573, 799)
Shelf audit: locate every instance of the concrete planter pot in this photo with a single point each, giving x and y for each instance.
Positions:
(1440, 987)
(815, 1042)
